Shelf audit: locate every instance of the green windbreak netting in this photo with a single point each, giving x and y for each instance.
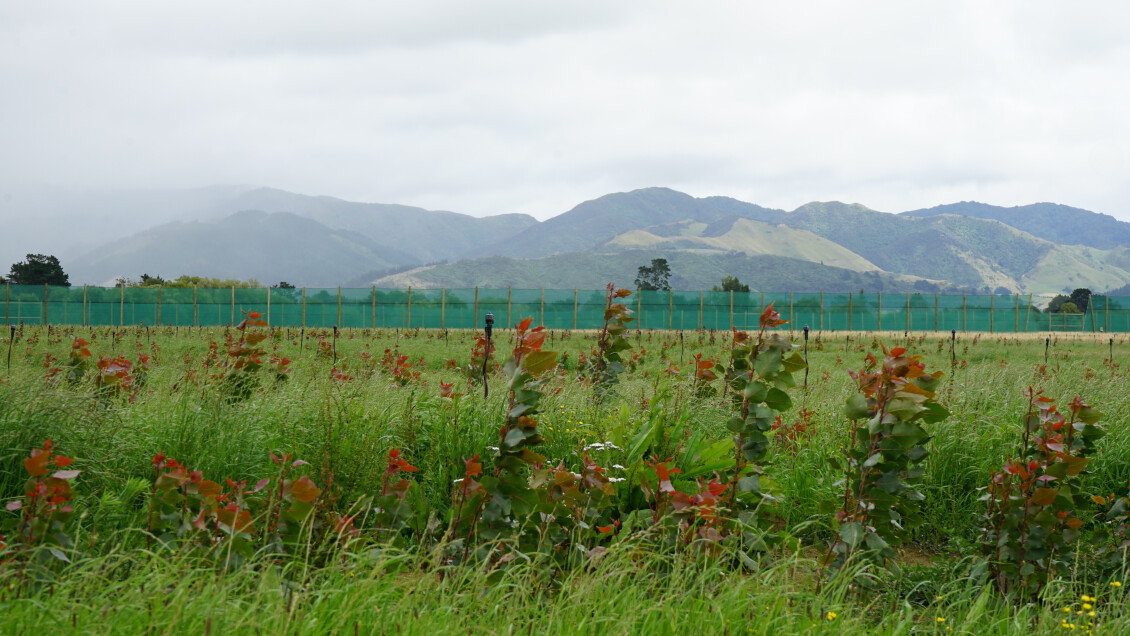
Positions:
(554, 308)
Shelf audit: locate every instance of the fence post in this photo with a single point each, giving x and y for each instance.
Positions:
(409, 325)
(639, 310)
(508, 319)
(731, 310)
(1016, 315)
(195, 309)
(541, 312)
(44, 321)
(935, 312)
(700, 306)
(880, 311)
(122, 307)
(792, 318)
(821, 312)
(1107, 321)
(992, 309)
(908, 313)
(8, 301)
(963, 313)
(232, 306)
(443, 308)
(851, 310)
(574, 309)
(339, 325)
(1029, 316)
(373, 308)
(670, 310)
(762, 302)
(304, 308)
(84, 305)
(159, 305)
(1091, 310)
(475, 318)
(268, 305)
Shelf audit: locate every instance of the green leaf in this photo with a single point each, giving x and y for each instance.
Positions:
(755, 391)
(778, 400)
(852, 533)
(856, 407)
(539, 362)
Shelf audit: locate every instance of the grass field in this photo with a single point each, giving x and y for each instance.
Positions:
(391, 570)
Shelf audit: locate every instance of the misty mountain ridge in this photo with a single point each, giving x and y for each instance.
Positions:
(271, 234)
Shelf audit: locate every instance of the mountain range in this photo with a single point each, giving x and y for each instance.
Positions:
(274, 235)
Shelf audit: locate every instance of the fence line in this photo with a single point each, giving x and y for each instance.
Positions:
(561, 309)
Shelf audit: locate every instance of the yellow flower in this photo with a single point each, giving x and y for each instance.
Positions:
(832, 616)
(941, 620)
(1088, 606)
(1116, 583)
(1091, 614)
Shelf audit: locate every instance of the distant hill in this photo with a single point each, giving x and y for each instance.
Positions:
(269, 247)
(690, 270)
(1051, 221)
(427, 235)
(316, 240)
(596, 222)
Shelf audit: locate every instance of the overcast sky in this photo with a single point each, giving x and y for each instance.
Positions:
(530, 106)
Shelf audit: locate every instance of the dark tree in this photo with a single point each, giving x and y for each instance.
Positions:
(731, 284)
(654, 278)
(284, 285)
(39, 269)
(1082, 299)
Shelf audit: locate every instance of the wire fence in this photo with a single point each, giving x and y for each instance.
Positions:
(554, 308)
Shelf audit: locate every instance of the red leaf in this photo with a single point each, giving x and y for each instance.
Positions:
(62, 462)
(604, 529)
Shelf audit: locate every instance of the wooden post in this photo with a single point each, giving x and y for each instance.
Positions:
(880, 311)
(851, 310)
(1029, 316)
(8, 302)
(731, 310)
(373, 308)
(339, 305)
(639, 309)
(409, 325)
(44, 320)
(541, 312)
(1016, 315)
(475, 318)
(821, 312)
(195, 309)
(84, 305)
(792, 317)
(935, 312)
(701, 294)
(443, 308)
(508, 291)
(268, 306)
(670, 310)
(1091, 310)
(762, 302)
(232, 306)
(574, 309)
(963, 313)
(122, 307)
(304, 308)
(908, 312)
(159, 305)
(992, 305)
(1108, 315)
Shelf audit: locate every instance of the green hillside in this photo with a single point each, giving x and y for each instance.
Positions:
(595, 222)
(268, 247)
(690, 270)
(1056, 223)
